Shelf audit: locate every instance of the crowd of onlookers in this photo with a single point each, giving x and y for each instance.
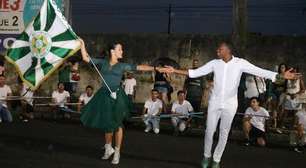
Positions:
(277, 106)
(283, 99)
(262, 104)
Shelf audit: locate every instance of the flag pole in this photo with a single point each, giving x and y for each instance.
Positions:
(101, 77)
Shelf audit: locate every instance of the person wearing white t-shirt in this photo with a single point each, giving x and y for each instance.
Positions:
(60, 97)
(129, 86)
(26, 103)
(5, 90)
(181, 108)
(255, 87)
(223, 103)
(254, 123)
(85, 97)
(152, 108)
(300, 128)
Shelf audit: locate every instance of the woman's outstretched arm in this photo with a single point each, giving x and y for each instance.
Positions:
(84, 53)
(144, 67)
(170, 69)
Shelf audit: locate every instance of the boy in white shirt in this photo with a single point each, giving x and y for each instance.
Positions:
(26, 103)
(254, 123)
(181, 107)
(152, 109)
(5, 90)
(85, 97)
(60, 97)
(129, 86)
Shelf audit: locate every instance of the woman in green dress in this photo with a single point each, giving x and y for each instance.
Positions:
(103, 111)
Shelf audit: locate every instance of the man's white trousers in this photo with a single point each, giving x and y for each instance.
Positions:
(225, 112)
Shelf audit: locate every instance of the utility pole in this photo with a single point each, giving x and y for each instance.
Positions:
(169, 18)
(240, 31)
(67, 10)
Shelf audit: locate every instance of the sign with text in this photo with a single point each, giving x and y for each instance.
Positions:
(15, 15)
(11, 20)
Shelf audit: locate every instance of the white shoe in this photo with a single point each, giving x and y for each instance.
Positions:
(108, 152)
(156, 130)
(116, 157)
(147, 130)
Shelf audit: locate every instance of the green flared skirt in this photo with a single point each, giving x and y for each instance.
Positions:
(104, 112)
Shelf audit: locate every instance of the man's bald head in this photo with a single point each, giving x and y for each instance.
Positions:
(224, 50)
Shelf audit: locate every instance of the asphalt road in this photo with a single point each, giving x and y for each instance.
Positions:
(46, 144)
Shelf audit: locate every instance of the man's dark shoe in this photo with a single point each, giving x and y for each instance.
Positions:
(215, 164)
(206, 162)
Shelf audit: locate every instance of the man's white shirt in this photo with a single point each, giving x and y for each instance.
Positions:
(153, 107)
(227, 77)
(60, 98)
(182, 109)
(254, 88)
(85, 98)
(27, 93)
(129, 85)
(258, 118)
(4, 92)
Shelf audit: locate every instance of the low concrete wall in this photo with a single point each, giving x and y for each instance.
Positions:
(264, 51)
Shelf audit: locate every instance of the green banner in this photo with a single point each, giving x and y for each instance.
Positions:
(32, 7)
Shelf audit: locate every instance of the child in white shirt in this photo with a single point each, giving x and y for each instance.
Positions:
(254, 123)
(181, 107)
(60, 97)
(152, 109)
(85, 97)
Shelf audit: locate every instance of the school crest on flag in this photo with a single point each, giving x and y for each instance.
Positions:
(44, 45)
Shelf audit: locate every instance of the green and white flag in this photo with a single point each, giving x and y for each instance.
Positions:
(44, 45)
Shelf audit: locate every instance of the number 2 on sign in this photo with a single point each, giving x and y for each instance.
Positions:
(5, 22)
(15, 21)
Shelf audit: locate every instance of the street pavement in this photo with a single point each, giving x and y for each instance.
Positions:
(67, 144)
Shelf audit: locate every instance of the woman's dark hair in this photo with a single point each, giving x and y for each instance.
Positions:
(280, 65)
(112, 46)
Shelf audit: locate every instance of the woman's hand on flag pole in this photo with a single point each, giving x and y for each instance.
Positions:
(84, 53)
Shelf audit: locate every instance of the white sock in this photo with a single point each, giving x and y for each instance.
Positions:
(108, 146)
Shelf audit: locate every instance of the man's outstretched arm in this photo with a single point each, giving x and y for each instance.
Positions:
(254, 70)
(193, 73)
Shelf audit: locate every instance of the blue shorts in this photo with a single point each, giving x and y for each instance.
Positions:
(161, 89)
